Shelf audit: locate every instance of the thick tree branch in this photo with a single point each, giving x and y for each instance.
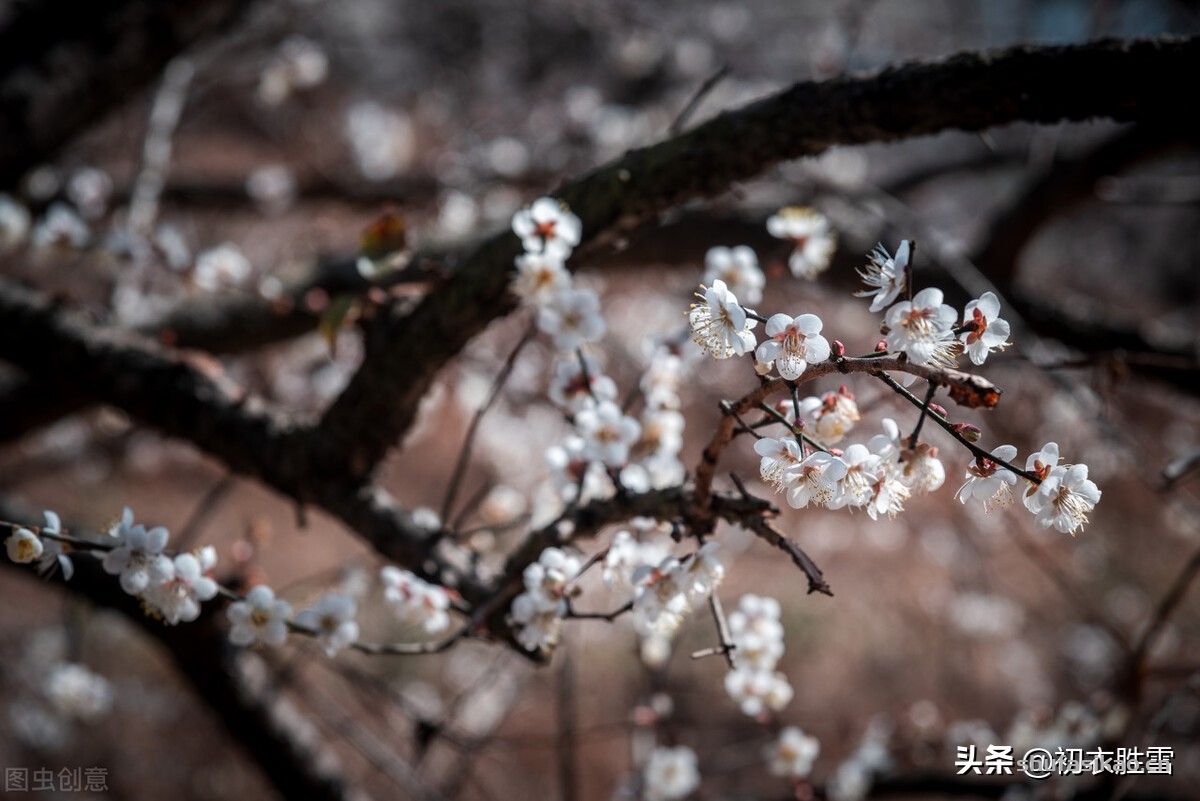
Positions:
(404, 351)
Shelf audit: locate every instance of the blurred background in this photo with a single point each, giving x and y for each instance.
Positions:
(294, 129)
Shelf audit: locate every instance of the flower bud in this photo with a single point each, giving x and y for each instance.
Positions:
(968, 432)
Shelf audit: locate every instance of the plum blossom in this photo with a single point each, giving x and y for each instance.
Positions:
(755, 629)
(540, 277)
(988, 482)
(547, 227)
(625, 555)
(921, 469)
(923, 328)
(720, 326)
(814, 480)
(576, 386)
(1064, 499)
(61, 227)
(833, 414)
(983, 331)
(221, 266)
(662, 600)
(23, 546)
(537, 613)
(793, 344)
(813, 241)
(14, 223)
(537, 620)
(76, 692)
(607, 433)
(178, 598)
(738, 268)
(863, 471)
(792, 755)
(885, 276)
(332, 618)
(756, 691)
(54, 553)
(415, 600)
(670, 774)
(261, 618)
(572, 317)
(778, 457)
(137, 556)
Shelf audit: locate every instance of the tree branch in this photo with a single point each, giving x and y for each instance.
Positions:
(404, 351)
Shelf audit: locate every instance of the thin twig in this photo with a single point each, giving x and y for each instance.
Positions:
(464, 455)
(204, 511)
(914, 438)
(697, 98)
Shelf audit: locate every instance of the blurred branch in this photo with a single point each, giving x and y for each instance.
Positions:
(63, 64)
(972, 91)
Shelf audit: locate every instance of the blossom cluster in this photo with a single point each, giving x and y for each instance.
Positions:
(173, 588)
(537, 613)
(881, 474)
(754, 683)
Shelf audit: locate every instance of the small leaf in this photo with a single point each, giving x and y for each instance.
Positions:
(340, 311)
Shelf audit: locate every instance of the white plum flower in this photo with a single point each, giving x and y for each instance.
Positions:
(551, 574)
(814, 480)
(1064, 499)
(863, 471)
(332, 618)
(813, 241)
(76, 692)
(757, 691)
(834, 414)
(701, 572)
(23, 546)
(14, 223)
(923, 328)
(662, 432)
(415, 600)
(738, 268)
(178, 598)
(625, 555)
(662, 601)
(988, 482)
(261, 618)
(55, 553)
(607, 433)
(983, 330)
(792, 755)
(921, 469)
(778, 457)
(755, 629)
(670, 774)
(1042, 462)
(885, 276)
(793, 343)
(575, 386)
(547, 227)
(720, 326)
(222, 266)
(571, 318)
(538, 621)
(61, 227)
(540, 277)
(137, 556)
